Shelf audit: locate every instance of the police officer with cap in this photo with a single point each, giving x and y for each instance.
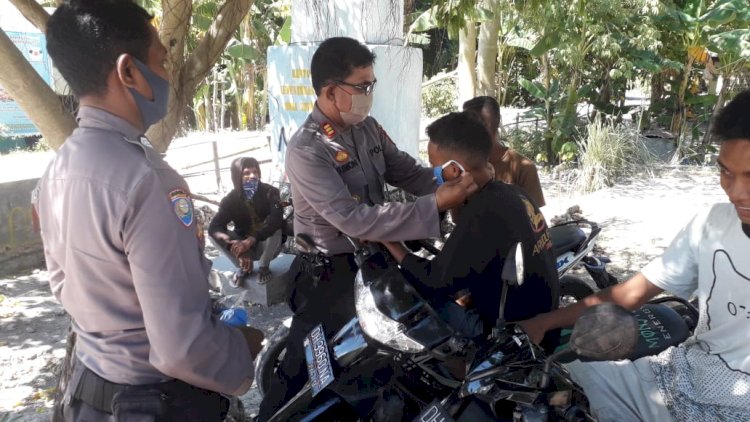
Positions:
(120, 236)
(339, 163)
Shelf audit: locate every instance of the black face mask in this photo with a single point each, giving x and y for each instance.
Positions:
(746, 229)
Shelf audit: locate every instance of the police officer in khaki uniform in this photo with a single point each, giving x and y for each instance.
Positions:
(120, 236)
(338, 164)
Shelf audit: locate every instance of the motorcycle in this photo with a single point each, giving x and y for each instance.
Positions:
(572, 246)
(396, 356)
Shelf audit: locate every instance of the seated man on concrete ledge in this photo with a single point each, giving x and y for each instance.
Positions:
(254, 210)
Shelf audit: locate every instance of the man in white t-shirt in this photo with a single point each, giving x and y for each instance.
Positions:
(707, 378)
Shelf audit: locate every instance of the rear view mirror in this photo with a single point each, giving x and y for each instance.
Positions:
(513, 267)
(605, 332)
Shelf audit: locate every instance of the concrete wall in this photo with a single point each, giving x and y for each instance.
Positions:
(20, 245)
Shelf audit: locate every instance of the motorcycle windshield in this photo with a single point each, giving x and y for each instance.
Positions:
(398, 300)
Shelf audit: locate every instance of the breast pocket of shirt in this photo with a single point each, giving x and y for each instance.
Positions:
(354, 179)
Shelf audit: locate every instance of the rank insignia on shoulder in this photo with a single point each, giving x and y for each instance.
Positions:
(328, 130)
(342, 156)
(182, 206)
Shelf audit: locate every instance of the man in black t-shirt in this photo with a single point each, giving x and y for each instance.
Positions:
(491, 221)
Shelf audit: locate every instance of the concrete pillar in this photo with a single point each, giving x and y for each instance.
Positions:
(378, 24)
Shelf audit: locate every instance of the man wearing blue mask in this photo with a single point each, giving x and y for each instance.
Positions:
(473, 256)
(253, 207)
(120, 237)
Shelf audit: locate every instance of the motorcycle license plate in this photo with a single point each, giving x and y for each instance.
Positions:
(318, 360)
(434, 412)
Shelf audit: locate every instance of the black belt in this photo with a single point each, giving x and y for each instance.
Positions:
(99, 393)
(96, 391)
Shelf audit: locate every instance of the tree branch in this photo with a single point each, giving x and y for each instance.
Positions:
(34, 12)
(173, 32)
(33, 95)
(213, 43)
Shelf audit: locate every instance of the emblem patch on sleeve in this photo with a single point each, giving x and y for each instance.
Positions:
(342, 156)
(182, 206)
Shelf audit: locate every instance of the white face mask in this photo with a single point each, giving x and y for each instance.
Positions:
(361, 106)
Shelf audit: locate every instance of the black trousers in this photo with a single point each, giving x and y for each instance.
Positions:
(330, 302)
(89, 397)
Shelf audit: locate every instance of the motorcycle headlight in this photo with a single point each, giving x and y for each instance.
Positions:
(378, 326)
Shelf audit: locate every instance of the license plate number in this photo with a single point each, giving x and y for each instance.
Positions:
(318, 360)
(434, 412)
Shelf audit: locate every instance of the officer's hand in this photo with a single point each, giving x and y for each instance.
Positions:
(454, 192)
(254, 338)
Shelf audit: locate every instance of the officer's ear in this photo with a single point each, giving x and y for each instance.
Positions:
(327, 92)
(126, 70)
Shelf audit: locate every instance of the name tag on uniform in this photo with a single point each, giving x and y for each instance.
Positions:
(346, 167)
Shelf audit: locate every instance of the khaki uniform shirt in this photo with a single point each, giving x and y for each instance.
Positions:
(338, 179)
(518, 170)
(121, 246)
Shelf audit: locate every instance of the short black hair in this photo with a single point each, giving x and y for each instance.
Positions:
(85, 38)
(733, 122)
(336, 58)
(463, 133)
(484, 102)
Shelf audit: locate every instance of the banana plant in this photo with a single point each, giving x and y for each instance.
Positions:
(695, 22)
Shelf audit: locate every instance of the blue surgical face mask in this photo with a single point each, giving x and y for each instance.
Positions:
(151, 110)
(250, 187)
(438, 171)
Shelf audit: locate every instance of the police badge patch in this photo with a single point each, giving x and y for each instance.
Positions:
(341, 156)
(182, 205)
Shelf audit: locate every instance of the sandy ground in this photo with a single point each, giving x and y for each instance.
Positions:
(639, 218)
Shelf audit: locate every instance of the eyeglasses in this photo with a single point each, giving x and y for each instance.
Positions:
(364, 88)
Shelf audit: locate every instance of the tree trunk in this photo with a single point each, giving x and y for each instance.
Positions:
(708, 136)
(657, 88)
(33, 12)
(548, 111)
(680, 113)
(185, 78)
(487, 51)
(249, 96)
(467, 51)
(33, 95)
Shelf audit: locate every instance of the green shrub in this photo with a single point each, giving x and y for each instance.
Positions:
(530, 143)
(439, 98)
(609, 151)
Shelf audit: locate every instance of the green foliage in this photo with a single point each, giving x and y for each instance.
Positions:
(439, 98)
(609, 151)
(530, 143)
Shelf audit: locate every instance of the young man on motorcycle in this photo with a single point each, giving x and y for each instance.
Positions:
(707, 377)
(496, 217)
(510, 166)
(253, 207)
(338, 163)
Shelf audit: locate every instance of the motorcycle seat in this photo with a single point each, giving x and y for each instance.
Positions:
(566, 238)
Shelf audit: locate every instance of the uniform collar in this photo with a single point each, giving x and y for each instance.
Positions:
(92, 117)
(320, 118)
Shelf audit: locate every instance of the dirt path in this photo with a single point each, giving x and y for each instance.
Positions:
(639, 218)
